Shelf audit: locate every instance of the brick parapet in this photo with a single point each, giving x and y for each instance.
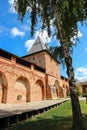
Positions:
(13, 71)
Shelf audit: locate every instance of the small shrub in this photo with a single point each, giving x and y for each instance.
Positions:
(84, 94)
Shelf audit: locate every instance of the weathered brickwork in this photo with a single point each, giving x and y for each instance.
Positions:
(65, 85)
(22, 81)
(18, 82)
(52, 66)
(44, 60)
(37, 58)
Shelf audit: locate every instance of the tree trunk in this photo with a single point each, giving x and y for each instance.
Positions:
(76, 111)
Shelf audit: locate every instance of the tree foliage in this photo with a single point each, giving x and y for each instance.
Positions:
(65, 15)
(70, 11)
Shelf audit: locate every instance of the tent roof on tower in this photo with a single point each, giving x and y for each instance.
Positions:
(37, 46)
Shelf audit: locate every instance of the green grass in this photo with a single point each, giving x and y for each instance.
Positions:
(59, 118)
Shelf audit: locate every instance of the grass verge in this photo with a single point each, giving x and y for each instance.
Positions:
(59, 118)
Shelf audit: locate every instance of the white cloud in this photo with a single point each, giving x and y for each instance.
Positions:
(86, 49)
(44, 38)
(81, 73)
(25, 28)
(43, 35)
(3, 31)
(73, 39)
(16, 32)
(79, 34)
(28, 44)
(11, 10)
(11, 1)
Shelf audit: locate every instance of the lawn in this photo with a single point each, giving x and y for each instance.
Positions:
(58, 118)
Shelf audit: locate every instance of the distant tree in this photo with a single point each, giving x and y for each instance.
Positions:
(65, 15)
(79, 89)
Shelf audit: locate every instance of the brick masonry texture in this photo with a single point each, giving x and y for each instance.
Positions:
(20, 83)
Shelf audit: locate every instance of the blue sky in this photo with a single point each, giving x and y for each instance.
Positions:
(15, 38)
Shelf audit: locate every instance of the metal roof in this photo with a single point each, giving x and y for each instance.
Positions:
(37, 46)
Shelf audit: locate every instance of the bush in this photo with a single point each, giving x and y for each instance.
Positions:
(84, 94)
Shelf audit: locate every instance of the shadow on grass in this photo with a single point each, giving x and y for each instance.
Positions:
(85, 120)
(56, 123)
(56, 119)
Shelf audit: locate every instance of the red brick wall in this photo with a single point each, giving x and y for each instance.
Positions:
(65, 84)
(37, 58)
(84, 88)
(44, 60)
(52, 67)
(12, 72)
(53, 87)
(20, 83)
